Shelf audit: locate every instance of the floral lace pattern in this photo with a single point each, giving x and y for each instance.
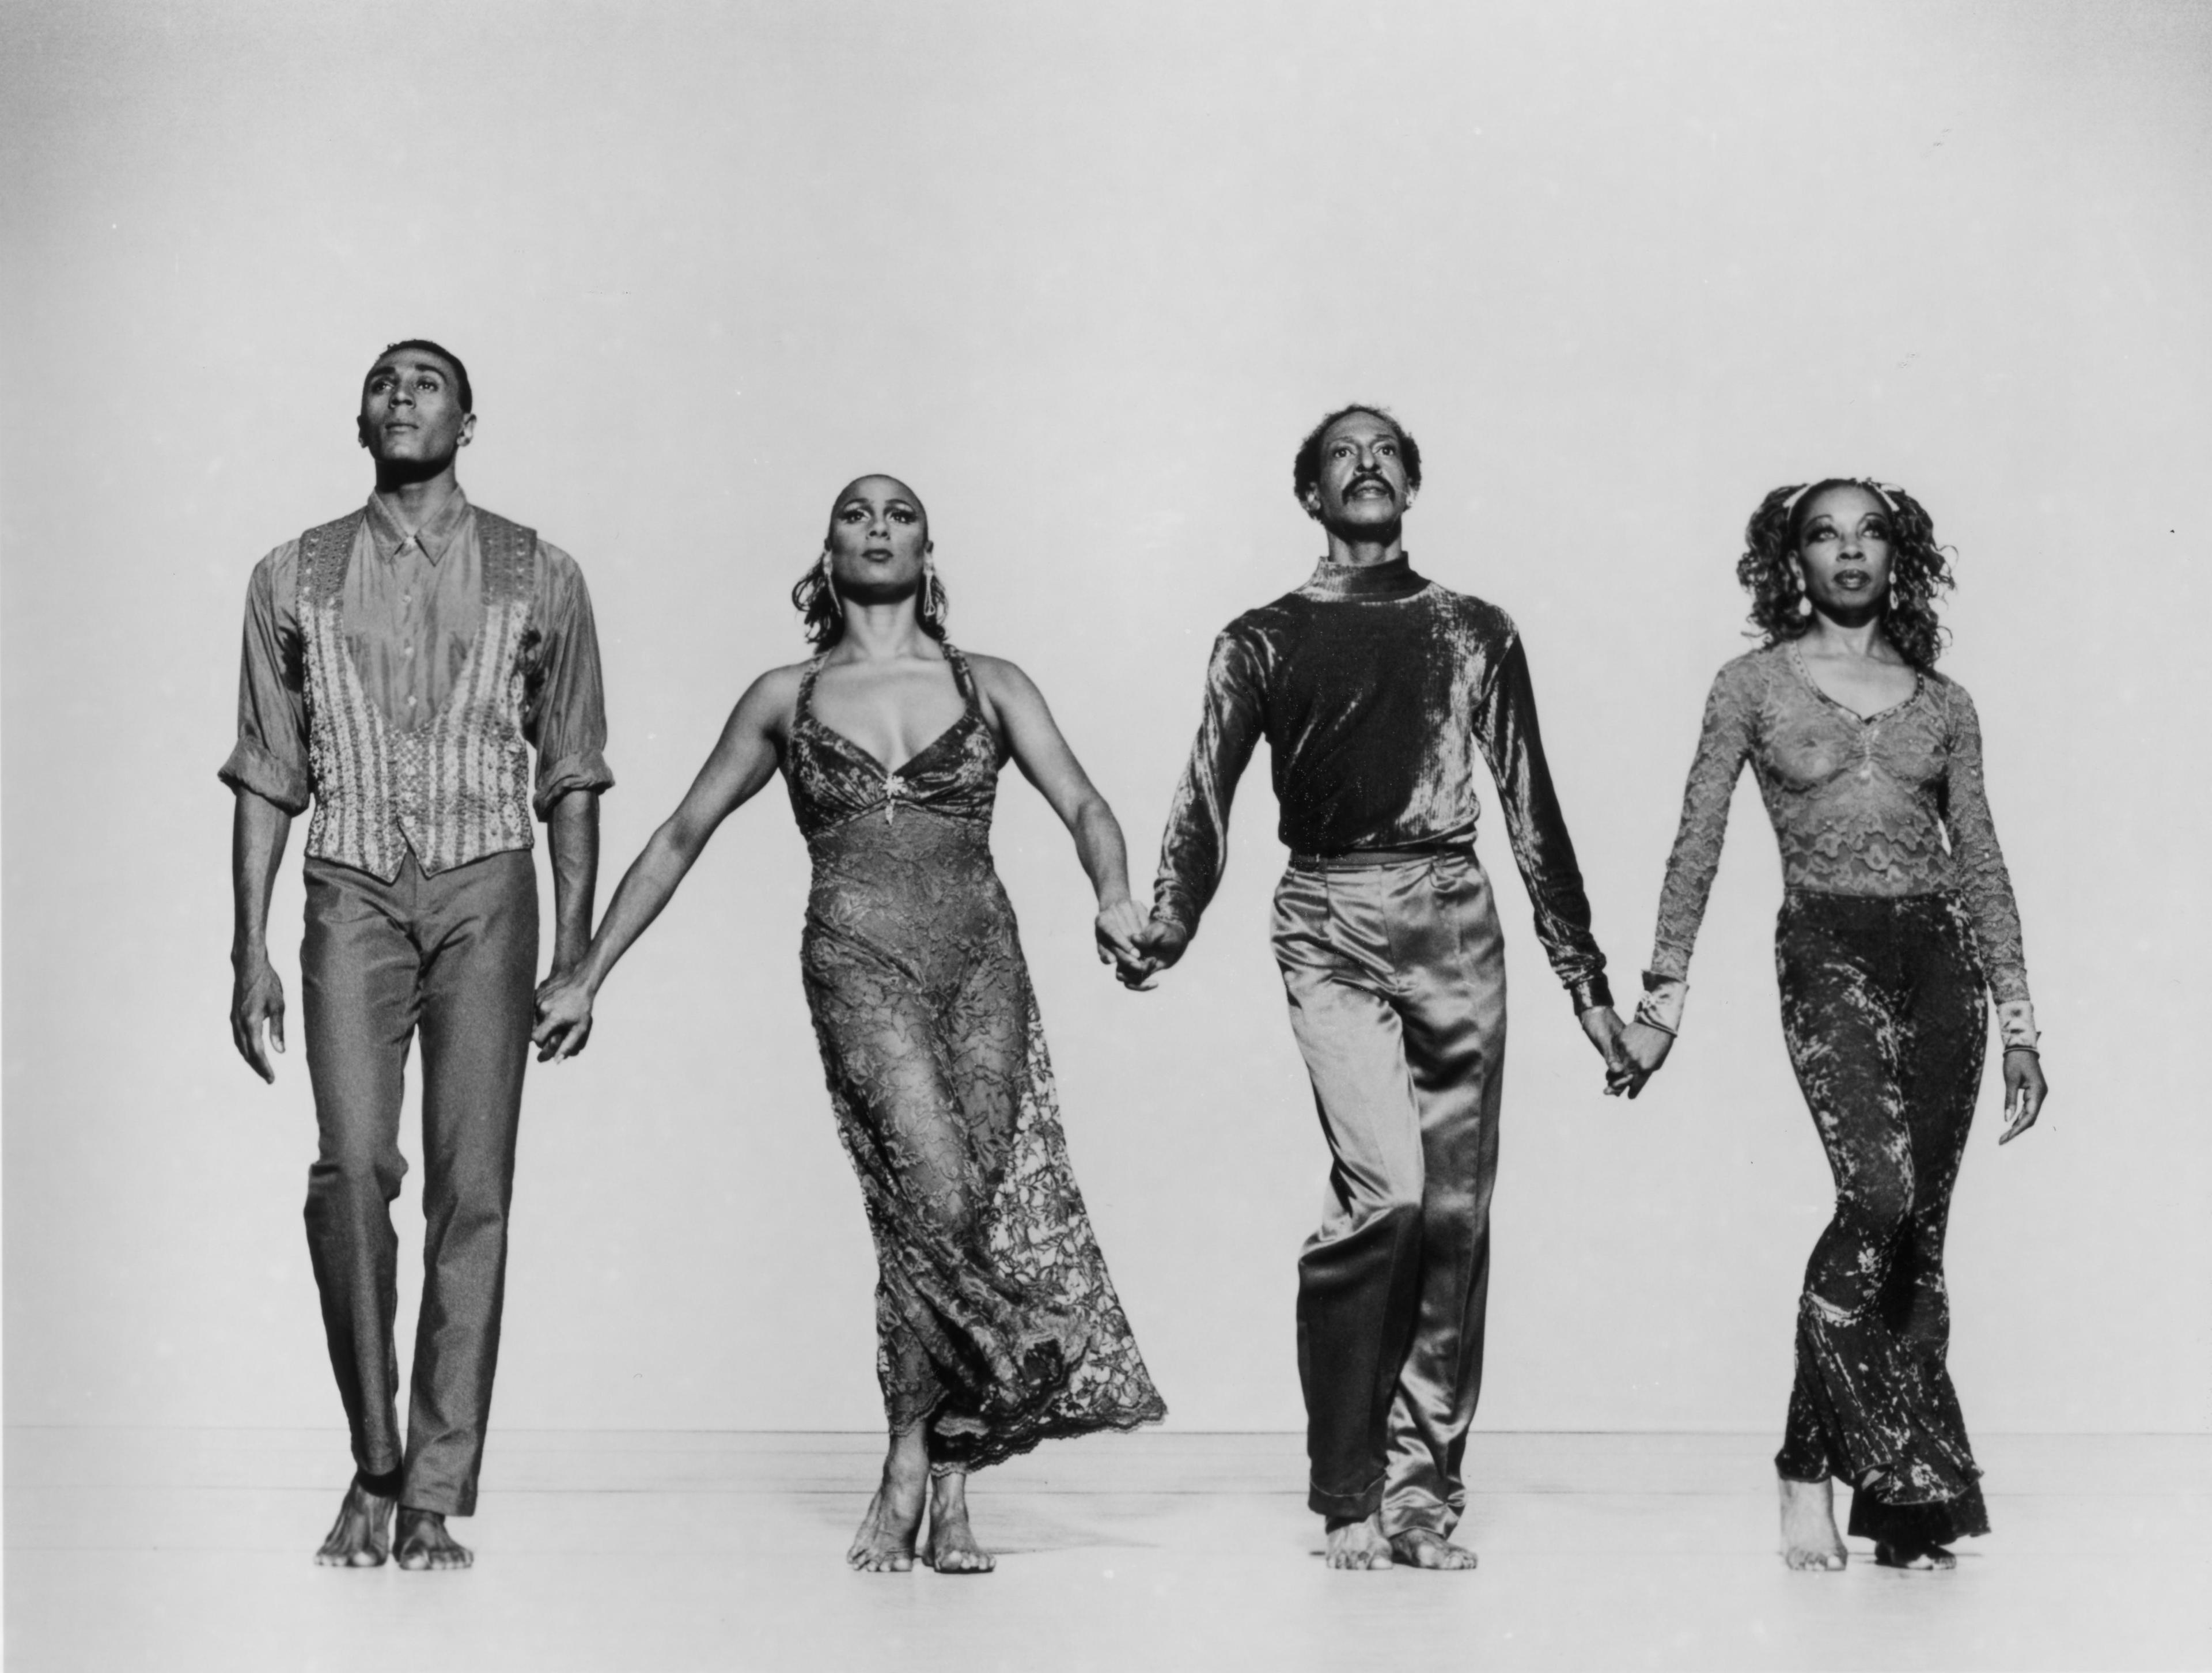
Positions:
(997, 1324)
(1889, 804)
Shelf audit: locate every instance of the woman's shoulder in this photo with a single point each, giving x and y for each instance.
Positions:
(1749, 672)
(997, 675)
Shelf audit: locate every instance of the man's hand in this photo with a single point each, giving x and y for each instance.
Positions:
(1642, 1050)
(564, 1016)
(1601, 1027)
(256, 995)
(1155, 946)
(2025, 1091)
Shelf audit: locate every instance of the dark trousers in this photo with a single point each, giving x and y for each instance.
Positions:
(1883, 1009)
(1396, 975)
(454, 956)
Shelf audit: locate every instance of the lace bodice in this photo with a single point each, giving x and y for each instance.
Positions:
(833, 781)
(1891, 804)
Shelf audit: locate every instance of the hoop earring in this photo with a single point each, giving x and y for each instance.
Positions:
(829, 585)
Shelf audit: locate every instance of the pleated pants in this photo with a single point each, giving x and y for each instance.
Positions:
(454, 957)
(1395, 975)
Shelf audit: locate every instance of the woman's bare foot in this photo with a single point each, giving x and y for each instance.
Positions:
(884, 1544)
(1809, 1539)
(1423, 1548)
(424, 1544)
(1357, 1542)
(1907, 1556)
(362, 1537)
(953, 1548)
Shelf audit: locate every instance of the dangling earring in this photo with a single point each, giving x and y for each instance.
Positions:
(830, 585)
(933, 594)
(1804, 605)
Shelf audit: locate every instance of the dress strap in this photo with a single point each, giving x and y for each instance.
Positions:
(805, 708)
(963, 676)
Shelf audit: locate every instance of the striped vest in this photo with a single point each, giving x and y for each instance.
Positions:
(453, 789)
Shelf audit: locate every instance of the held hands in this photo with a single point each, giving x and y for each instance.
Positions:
(2025, 1091)
(1151, 946)
(1642, 1050)
(564, 1015)
(256, 995)
(1602, 1026)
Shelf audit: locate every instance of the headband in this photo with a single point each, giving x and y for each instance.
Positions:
(1882, 491)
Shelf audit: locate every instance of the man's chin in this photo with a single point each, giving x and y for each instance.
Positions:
(1367, 524)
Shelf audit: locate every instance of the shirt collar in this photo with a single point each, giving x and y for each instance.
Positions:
(1393, 579)
(433, 539)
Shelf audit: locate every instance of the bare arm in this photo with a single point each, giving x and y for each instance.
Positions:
(742, 760)
(572, 830)
(1042, 754)
(258, 831)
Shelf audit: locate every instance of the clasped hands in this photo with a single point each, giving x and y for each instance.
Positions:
(1137, 945)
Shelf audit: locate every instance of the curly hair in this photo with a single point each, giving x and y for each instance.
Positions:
(1305, 469)
(822, 616)
(1917, 570)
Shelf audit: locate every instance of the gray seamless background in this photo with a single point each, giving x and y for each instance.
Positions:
(1083, 274)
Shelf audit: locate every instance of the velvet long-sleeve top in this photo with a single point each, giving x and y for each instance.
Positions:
(1377, 689)
(411, 606)
(1890, 803)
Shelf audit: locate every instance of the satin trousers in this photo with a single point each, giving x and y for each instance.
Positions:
(1396, 975)
(454, 958)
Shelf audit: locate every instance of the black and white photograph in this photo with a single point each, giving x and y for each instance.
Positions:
(775, 774)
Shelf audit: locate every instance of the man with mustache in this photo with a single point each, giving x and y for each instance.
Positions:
(401, 665)
(1375, 689)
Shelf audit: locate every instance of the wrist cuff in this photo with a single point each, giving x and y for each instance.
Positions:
(2016, 1024)
(1661, 1007)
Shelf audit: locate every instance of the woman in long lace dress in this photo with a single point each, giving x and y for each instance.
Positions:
(997, 1324)
(1897, 916)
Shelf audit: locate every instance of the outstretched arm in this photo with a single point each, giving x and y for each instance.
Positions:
(742, 760)
(1046, 761)
(259, 829)
(1194, 849)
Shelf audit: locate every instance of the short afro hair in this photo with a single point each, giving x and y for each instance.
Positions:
(1305, 469)
(425, 345)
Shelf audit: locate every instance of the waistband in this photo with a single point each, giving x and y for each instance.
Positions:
(1368, 859)
(1837, 900)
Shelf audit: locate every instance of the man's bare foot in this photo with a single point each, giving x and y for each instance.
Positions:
(424, 1543)
(884, 1544)
(1909, 1556)
(362, 1537)
(1809, 1539)
(953, 1548)
(1423, 1548)
(1357, 1542)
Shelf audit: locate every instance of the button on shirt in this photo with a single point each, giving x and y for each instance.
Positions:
(412, 605)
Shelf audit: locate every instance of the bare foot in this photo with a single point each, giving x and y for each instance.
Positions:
(362, 1537)
(953, 1548)
(1357, 1542)
(424, 1544)
(1907, 1556)
(1809, 1539)
(1423, 1548)
(884, 1544)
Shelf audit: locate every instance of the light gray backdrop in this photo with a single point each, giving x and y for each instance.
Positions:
(1083, 274)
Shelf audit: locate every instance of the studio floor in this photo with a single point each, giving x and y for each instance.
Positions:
(188, 1549)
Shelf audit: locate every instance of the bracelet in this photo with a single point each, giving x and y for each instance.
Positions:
(2030, 1050)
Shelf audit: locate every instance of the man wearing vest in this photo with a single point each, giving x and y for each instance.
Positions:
(400, 664)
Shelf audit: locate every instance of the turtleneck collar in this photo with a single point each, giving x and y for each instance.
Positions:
(1365, 581)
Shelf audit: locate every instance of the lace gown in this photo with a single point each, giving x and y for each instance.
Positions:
(997, 1324)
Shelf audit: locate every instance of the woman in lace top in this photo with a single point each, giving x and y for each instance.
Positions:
(997, 1324)
(1897, 916)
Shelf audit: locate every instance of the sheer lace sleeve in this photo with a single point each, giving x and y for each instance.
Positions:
(1984, 886)
(1723, 743)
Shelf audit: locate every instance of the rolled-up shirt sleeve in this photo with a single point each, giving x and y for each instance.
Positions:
(566, 716)
(270, 758)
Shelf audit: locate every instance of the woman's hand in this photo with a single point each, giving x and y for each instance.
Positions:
(2025, 1091)
(1116, 931)
(564, 1016)
(1645, 1048)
